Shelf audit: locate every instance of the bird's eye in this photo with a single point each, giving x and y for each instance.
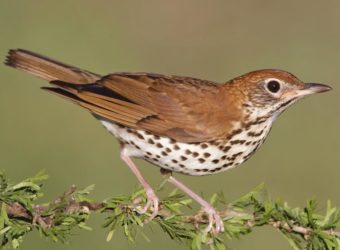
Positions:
(273, 86)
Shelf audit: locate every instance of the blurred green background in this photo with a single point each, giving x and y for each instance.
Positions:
(215, 40)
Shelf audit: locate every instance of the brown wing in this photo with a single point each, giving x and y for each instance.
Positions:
(185, 109)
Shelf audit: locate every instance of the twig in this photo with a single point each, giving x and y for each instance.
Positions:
(19, 215)
(18, 211)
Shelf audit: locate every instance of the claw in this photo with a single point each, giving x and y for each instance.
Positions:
(214, 219)
(151, 203)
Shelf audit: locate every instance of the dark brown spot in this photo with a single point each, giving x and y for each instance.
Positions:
(215, 161)
(248, 143)
(154, 159)
(150, 141)
(147, 132)
(195, 154)
(201, 160)
(183, 158)
(168, 150)
(123, 142)
(187, 152)
(204, 145)
(164, 153)
(172, 141)
(227, 164)
(205, 170)
(181, 165)
(140, 136)
(156, 137)
(159, 145)
(158, 156)
(237, 142)
(258, 120)
(261, 119)
(137, 147)
(233, 133)
(174, 161)
(206, 155)
(236, 154)
(253, 134)
(215, 169)
(176, 147)
(226, 149)
(148, 153)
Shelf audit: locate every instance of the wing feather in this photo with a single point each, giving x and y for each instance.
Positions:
(182, 108)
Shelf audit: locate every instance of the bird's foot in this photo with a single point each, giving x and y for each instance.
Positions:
(152, 203)
(215, 225)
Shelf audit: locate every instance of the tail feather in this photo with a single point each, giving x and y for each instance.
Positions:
(47, 68)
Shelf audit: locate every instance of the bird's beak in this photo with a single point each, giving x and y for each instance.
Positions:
(313, 88)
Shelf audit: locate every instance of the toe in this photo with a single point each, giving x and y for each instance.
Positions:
(215, 222)
(219, 223)
(210, 225)
(152, 202)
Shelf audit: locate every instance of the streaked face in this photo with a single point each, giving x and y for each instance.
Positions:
(274, 91)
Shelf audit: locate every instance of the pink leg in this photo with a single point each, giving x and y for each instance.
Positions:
(152, 199)
(214, 217)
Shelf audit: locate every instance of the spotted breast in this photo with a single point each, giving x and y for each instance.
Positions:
(201, 158)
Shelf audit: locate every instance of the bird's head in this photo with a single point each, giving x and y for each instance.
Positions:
(272, 91)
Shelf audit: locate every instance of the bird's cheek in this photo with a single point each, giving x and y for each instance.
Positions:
(290, 95)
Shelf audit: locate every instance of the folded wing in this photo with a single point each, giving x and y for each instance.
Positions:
(183, 108)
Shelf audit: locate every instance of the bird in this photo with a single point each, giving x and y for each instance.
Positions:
(180, 124)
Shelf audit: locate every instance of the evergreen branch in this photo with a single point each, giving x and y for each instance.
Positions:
(304, 228)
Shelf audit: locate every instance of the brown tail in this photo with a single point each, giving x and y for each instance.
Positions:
(48, 69)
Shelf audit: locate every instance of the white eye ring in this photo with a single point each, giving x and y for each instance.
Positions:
(273, 85)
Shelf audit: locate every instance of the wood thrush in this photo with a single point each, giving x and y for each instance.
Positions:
(181, 124)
